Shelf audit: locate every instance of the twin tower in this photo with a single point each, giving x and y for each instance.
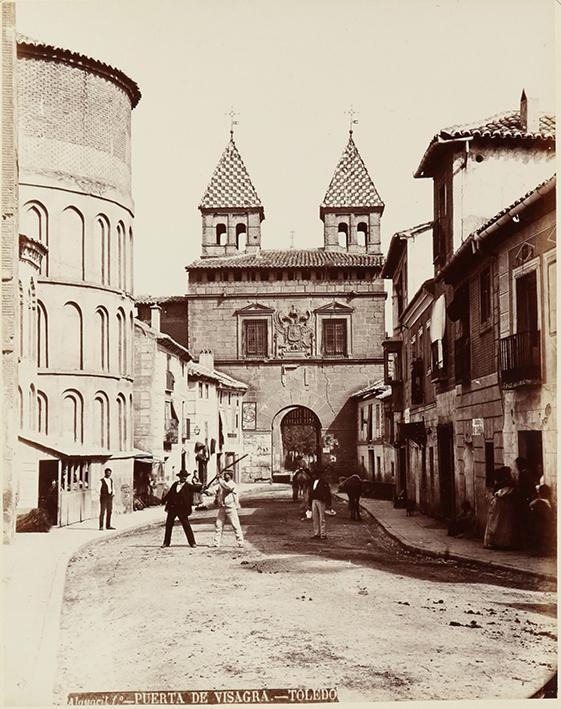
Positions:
(232, 211)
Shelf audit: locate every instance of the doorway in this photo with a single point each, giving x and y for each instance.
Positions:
(48, 489)
(527, 303)
(300, 436)
(530, 448)
(402, 470)
(445, 439)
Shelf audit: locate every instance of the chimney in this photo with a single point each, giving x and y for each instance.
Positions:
(206, 359)
(155, 311)
(529, 113)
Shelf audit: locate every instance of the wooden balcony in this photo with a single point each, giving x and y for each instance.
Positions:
(520, 359)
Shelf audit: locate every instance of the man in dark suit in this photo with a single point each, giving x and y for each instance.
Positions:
(106, 495)
(179, 503)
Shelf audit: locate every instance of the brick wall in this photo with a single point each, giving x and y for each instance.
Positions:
(173, 318)
(74, 127)
(483, 345)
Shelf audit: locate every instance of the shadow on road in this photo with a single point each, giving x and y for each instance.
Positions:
(273, 525)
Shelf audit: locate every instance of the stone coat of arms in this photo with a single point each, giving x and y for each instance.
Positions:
(293, 337)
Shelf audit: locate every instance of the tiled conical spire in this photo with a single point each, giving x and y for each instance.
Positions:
(230, 185)
(230, 209)
(351, 186)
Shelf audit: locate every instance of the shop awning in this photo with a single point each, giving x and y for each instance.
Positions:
(63, 448)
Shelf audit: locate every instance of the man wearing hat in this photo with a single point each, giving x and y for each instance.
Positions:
(179, 503)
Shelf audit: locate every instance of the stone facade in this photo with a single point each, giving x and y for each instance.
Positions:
(9, 321)
(75, 201)
(303, 377)
(293, 302)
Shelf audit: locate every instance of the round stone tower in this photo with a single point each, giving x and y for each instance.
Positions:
(74, 122)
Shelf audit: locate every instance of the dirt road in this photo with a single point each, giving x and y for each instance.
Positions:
(356, 612)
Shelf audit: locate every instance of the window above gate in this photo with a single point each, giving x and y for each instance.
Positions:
(254, 332)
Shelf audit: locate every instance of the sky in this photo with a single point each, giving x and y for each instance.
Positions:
(291, 70)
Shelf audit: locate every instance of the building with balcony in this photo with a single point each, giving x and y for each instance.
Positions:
(408, 371)
(76, 207)
(504, 281)
(472, 395)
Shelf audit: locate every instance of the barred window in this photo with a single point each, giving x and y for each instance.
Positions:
(255, 338)
(335, 337)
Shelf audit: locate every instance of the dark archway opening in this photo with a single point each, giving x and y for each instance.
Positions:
(300, 435)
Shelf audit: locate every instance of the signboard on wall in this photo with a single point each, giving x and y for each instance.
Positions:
(477, 427)
(249, 415)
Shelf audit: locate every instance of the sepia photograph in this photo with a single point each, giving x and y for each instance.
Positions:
(279, 352)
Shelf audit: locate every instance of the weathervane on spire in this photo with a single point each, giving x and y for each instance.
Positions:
(233, 123)
(352, 120)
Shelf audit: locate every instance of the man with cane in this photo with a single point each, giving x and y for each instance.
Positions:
(228, 505)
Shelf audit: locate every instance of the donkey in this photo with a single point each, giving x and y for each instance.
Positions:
(301, 481)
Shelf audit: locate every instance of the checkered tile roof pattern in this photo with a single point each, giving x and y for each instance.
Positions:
(351, 185)
(291, 258)
(230, 185)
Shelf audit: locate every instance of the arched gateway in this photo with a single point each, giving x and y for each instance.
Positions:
(296, 436)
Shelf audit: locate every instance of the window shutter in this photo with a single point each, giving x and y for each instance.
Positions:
(335, 337)
(255, 340)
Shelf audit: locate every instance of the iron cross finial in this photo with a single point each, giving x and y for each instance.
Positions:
(352, 120)
(233, 122)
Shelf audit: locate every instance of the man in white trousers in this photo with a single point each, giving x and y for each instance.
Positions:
(228, 505)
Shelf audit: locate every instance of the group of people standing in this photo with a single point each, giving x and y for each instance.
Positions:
(521, 513)
(179, 501)
(185, 492)
(316, 493)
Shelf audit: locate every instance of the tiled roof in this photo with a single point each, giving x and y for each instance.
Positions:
(374, 389)
(197, 370)
(159, 300)
(28, 47)
(291, 258)
(501, 126)
(351, 185)
(230, 185)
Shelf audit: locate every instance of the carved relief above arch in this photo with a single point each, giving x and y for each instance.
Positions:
(294, 333)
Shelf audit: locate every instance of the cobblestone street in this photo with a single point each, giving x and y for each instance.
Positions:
(357, 613)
